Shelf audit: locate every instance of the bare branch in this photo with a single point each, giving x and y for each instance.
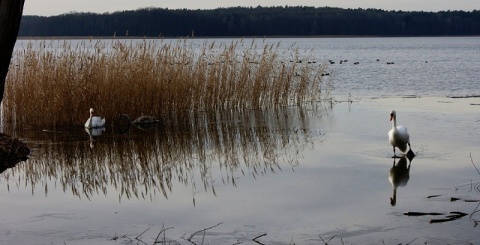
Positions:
(195, 233)
(163, 230)
(255, 239)
(138, 237)
(326, 242)
(471, 159)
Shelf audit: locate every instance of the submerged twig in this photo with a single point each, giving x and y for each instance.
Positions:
(163, 230)
(138, 238)
(420, 214)
(454, 215)
(203, 230)
(471, 200)
(255, 238)
(471, 215)
(411, 241)
(326, 243)
(453, 199)
(471, 159)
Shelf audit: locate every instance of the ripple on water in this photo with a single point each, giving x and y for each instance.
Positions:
(420, 152)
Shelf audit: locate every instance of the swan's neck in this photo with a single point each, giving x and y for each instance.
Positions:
(394, 122)
(90, 123)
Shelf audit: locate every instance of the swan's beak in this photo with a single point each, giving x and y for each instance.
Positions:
(391, 117)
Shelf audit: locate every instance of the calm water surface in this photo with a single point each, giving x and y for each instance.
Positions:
(289, 176)
(418, 66)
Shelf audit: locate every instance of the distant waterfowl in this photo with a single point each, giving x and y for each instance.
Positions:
(141, 119)
(398, 136)
(94, 122)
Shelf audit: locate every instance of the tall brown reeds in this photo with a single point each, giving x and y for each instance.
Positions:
(54, 83)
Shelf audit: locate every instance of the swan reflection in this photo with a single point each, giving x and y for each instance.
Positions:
(399, 175)
(223, 145)
(94, 132)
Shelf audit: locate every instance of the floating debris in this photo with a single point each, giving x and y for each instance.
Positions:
(463, 96)
(420, 214)
(454, 215)
(410, 96)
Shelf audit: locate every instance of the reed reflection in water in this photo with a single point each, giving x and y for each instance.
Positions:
(144, 163)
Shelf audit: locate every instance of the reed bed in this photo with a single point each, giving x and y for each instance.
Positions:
(52, 84)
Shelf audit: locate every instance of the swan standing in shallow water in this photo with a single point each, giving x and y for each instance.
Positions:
(398, 136)
(141, 119)
(94, 122)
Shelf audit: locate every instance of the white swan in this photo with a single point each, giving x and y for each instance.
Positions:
(398, 136)
(94, 122)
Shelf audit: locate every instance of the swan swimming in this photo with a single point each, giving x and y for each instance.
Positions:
(94, 122)
(141, 119)
(398, 136)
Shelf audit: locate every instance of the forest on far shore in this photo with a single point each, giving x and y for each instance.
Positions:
(255, 21)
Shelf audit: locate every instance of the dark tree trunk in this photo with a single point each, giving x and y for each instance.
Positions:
(10, 16)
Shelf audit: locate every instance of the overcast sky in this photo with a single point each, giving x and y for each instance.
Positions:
(56, 7)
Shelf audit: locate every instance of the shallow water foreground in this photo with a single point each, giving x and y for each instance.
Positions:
(271, 177)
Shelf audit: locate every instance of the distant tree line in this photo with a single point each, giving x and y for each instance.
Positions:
(255, 21)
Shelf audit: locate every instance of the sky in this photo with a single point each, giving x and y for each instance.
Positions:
(56, 7)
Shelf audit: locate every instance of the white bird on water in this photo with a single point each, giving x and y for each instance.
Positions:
(94, 122)
(398, 136)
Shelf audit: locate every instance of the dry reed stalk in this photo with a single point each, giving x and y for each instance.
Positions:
(55, 83)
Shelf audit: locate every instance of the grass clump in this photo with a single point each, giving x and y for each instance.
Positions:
(54, 83)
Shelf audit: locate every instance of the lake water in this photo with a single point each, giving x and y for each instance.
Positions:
(390, 66)
(300, 175)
